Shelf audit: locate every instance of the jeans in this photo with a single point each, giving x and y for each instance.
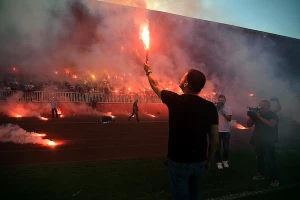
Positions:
(224, 138)
(54, 110)
(269, 151)
(184, 179)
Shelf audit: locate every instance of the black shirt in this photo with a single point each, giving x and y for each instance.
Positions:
(135, 108)
(190, 118)
(264, 134)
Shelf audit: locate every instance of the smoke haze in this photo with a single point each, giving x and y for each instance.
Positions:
(13, 133)
(90, 37)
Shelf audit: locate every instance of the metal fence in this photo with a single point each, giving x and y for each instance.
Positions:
(75, 97)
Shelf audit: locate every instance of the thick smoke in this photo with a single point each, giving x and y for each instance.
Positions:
(84, 38)
(15, 134)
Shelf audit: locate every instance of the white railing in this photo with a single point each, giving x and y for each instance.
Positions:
(75, 97)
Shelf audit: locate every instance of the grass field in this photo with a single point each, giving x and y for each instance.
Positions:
(140, 179)
(132, 179)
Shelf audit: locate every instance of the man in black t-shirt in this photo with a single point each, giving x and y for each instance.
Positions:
(191, 120)
(264, 137)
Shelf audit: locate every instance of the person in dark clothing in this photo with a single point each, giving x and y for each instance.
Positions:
(135, 110)
(94, 103)
(191, 120)
(54, 107)
(264, 138)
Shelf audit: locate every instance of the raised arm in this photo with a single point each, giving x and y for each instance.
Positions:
(152, 80)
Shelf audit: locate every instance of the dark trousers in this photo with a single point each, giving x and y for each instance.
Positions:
(184, 179)
(54, 110)
(136, 115)
(261, 152)
(224, 138)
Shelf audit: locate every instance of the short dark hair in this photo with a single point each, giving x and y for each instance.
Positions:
(267, 102)
(196, 80)
(222, 96)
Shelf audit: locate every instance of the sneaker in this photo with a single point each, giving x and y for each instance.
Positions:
(258, 177)
(219, 165)
(225, 163)
(274, 183)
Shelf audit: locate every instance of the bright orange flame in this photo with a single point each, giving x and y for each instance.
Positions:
(93, 76)
(129, 89)
(239, 126)
(18, 116)
(74, 76)
(251, 95)
(151, 115)
(145, 36)
(14, 69)
(61, 116)
(43, 118)
(39, 134)
(116, 90)
(51, 143)
(56, 72)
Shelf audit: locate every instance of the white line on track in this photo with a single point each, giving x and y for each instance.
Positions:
(254, 193)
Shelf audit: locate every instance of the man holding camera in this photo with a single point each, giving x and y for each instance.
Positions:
(225, 114)
(264, 137)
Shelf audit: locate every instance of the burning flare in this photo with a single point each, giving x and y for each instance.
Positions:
(145, 36)
(43, 118)
(51, 143)
(15, 134)
(239, 126)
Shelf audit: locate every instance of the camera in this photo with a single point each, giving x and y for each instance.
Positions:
(252, 111)
(219, 105)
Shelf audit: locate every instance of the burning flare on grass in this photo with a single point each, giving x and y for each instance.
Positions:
(38, 134)
(14, 133)
(59, 112)
(237, 125)
(19, 116)
(151, 115)
(43, 118)
(51, 143)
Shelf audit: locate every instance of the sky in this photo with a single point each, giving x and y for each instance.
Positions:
(280, 17)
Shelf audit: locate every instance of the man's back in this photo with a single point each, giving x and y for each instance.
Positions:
(190, 118)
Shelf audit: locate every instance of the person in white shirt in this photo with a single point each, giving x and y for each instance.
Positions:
(225, 115)
(54, 107)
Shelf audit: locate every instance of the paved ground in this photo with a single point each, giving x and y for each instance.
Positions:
(83, 139)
